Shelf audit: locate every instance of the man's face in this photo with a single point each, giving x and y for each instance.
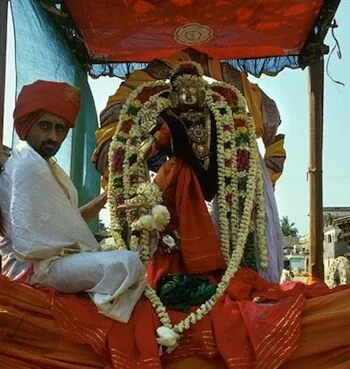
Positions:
(47, 134)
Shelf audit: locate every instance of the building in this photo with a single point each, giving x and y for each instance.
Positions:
(336, 245)
(296, 254)
(334, 212)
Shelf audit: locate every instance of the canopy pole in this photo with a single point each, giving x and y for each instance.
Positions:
(316, 94)
(3, 39)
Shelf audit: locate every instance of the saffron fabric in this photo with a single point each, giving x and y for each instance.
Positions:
(200, 246)
(180, 196)
(58, 98)
(43, 329)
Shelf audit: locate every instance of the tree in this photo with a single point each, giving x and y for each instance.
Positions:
(102, 231)
(288, 228)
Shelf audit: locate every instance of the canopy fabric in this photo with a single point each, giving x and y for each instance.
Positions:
(142, 30)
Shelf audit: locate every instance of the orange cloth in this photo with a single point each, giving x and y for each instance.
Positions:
(182, 194)
(29, 337)
(41, 329)
(140, 31)
(325, 334)
(58, 98)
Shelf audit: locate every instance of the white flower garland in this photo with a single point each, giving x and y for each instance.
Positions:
(235, 141)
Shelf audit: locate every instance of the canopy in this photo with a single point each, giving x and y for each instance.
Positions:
(276, 33)
(144, 30)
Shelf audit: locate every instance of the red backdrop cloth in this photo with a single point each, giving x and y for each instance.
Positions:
(142, 30)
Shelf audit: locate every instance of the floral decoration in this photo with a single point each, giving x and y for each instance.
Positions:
(240, 185)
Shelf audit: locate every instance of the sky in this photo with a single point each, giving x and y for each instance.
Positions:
(290, 91)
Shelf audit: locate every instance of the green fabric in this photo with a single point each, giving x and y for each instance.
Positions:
(180, 291)
(42, 53)
(249, 256)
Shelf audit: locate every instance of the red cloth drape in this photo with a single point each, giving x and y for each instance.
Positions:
(141, 30)
(41, 329)
(182, 194)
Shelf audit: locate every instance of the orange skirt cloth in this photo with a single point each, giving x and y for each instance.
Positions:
(40, 329)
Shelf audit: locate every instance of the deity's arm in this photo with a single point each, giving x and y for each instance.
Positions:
(160, 139)
(178, 138)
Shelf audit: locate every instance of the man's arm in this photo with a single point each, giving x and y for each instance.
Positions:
(90, 210)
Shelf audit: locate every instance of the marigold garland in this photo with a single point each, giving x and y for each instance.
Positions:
(240, 185)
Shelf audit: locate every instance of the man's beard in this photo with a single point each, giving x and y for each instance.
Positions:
(48, 149)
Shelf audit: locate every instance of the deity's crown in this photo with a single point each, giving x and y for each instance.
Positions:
(188, 74)
(187, 68)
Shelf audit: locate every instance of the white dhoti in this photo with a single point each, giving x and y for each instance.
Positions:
(115, 279)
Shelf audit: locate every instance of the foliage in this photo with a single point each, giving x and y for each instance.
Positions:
(288, 228)
(102, 231)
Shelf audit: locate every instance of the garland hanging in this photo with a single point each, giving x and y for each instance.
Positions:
(135, 203)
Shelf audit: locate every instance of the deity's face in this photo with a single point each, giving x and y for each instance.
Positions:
(188, 95)
(190, 90)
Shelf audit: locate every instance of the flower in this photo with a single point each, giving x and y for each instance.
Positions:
(118, 159)
(168, 338)
(243, 157)
(126, 126)
(150, 192)
(161, 217)
(134, 178)
(144, 222)
(147, 92)
(239, 122)
(229, 95)
(228, 128)
(242, 129)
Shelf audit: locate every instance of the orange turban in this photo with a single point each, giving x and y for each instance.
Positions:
(58, 98)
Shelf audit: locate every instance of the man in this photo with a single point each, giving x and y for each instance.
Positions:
(47, 240)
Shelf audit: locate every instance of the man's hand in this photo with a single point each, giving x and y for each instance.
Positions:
(90, 210)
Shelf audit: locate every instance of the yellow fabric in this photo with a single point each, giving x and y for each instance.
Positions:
(104, 134)
(215, 70)
(253, 98)
(275, 150)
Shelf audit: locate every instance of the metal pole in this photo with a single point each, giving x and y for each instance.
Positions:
(316, 92)
(3, 39)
